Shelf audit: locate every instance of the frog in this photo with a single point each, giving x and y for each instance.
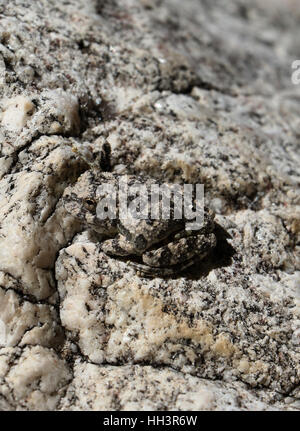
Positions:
(152, 246)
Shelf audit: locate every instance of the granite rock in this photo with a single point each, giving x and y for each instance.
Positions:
(32, 378)
(186, 92)
(136, 387)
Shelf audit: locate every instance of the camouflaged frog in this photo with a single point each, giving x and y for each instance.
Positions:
(155, 247)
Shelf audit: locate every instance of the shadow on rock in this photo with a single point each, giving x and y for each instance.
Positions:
(221, 256)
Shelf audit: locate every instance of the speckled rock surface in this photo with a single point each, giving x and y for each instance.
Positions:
(186, 92)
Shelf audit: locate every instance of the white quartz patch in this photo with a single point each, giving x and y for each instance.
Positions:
(16, 112)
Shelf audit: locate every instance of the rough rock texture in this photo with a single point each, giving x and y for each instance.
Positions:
(193, 91)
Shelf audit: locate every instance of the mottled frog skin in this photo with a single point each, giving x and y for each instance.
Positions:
(154, 247)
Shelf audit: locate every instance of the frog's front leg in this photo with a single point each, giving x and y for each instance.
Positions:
(180, 250)
(118, 246)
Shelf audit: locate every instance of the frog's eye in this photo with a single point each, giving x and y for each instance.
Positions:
(89, 204)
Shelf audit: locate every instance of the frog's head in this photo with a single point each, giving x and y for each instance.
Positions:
(81, 200)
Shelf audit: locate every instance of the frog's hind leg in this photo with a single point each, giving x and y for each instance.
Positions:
(180, 251)
(151, 271)
(176, 256)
